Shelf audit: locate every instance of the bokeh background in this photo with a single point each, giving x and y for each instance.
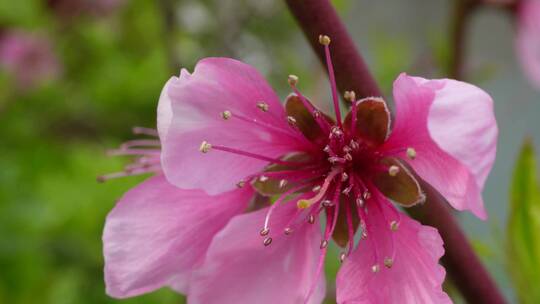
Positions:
(105, 64)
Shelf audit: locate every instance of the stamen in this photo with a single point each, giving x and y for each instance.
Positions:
(349, 96)
(394, 225)
(326, 203)
(393, 170)
(276, 204)
(264, 231)
(325, 40)
(226, 115)
(206, 146)
(270, 127)
(291, 120)
(311, 219)
(267, 241)
(411, 153)
(140, 143)
(375, 268)
(324, 244)
(282, 183)
(354, 110)
(388, 262)
(304, 203)
(342, 257)
(263, 106)
(241, 184)
(144, 131)
(344, 176)
(293, 80)
(263, 178)
(116, 152)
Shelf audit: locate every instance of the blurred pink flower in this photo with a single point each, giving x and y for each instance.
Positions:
(528, 39)
(75, 8)
(28, 57)
(349, 172)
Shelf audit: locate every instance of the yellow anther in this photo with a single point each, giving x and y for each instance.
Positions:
(324, 40)
(411, 153)
(393, 170)
(349, 96)
(205, 147)
(388, 262)
(293, 80)
(226, 115)
(263, 106)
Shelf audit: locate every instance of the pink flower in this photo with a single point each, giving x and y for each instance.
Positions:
(528, 39)
(355, 171)
(28, 57)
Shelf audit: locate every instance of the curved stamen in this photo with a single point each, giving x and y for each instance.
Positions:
(305, 203)
(321, 121)
(325, 40)
(295, 135)
(145, 131)
(277, 202)
(140, 143)
(206, 146)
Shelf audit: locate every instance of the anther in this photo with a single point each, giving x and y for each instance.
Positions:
(267, 241)
(263, 106)
(347, 149)
(375, 268)
(240, 184)
(282, 183)
(393, 170)
(287, 231)
(326, 203)
(324, 244)
(316, 113)
(264, 231)
(336, 132)
(344, 176)
(360, 202)
(348, 157)
(347, 190)
(366, 195)
(316, 188)
(327, 149)
(342, 257)
(324, 40)
(394, 225)
(263, 178)
(349, 96)
(411, 153)
(205, 147)
(354, 145)
(311, 219)
(226, 115)
(291, 120)
(388, 262)
(293, 80)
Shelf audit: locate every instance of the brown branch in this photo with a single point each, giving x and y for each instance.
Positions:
(317, 17)
(463, 10)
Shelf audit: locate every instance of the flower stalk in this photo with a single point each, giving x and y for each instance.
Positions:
(465, 269)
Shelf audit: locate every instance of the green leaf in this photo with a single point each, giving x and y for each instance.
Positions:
(523, 255)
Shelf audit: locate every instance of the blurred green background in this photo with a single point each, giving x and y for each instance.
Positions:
(114, 62)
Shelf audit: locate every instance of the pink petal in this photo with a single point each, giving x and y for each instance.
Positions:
(157, 233)
(528, 39)
(240, 269)
(218, 85)
(164, 109)
(415, 275)
(452, 127)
